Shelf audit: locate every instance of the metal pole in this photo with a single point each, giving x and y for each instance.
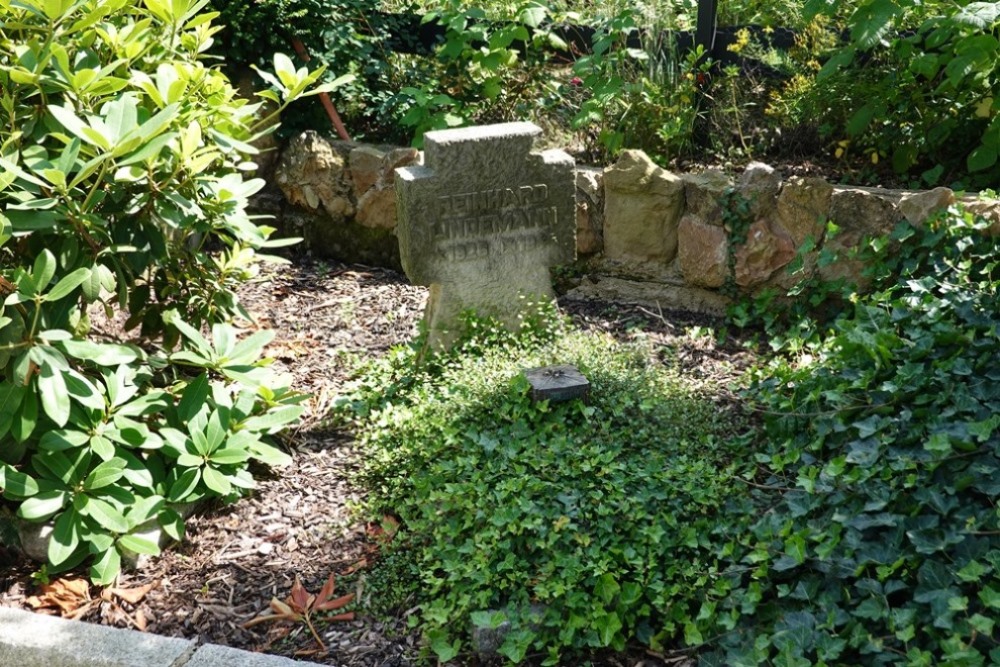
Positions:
(705, 31)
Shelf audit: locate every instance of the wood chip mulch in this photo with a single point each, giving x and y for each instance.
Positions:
(303, 521)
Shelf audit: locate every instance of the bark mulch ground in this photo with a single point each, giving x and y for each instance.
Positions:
(303, 521)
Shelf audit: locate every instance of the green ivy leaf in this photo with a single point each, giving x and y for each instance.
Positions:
(606, 588)
(990, 597)
(444, 649)
(608, 625)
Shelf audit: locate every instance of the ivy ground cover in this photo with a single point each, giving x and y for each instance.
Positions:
(851, 521)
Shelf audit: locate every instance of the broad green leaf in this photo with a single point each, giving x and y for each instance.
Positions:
(138, 545)
(107, 472)
(104, 513)
(269, 454)
(981, 158)
(44, 270)
(65, 537)
(11, 395)
(172, 318)
(272, 421)
(186, 460)
(43, 505)
(106, 568)
(285, 69)
(63, 439)
(67, 160)
(104, 448)
(69, 466)
(229, 456)
(224, 338)
(120, 117)
(67, 284)
(217, 430)
(103, 354)
(54, 395)
(83, 391)
(194, 398)
(533, 15)
(185, 485)
(143, 510)
(137, 471)
(216, 481)
(68, 119)
(172, 523)
(18, 485)
(147, 151)
(871, 21)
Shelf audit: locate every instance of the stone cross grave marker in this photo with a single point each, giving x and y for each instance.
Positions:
(482, 220)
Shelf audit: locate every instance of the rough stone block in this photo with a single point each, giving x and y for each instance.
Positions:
(642, 208)
(36, 640)
(764, 252)
(557, 383)
(803, 208)
(920, 206)
(703, 252)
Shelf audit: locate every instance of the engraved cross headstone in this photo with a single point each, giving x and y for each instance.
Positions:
(482, 220)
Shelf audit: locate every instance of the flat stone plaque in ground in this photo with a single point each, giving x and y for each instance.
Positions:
(482, 221)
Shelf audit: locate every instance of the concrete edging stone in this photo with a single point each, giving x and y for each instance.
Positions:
(36, 640)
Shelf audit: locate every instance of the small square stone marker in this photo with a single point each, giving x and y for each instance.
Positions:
(482, 221)
(557, 383)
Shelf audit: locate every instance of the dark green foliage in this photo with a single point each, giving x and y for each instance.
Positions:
(346, 36)
(917, 86)
(122, 192)
(585, 525)
(885, 547)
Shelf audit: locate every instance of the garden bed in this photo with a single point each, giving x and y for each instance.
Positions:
(301, 520)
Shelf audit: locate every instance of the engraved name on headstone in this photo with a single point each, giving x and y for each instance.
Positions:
(482, 221)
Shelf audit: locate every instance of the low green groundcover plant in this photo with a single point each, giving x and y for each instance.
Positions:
(855, 523)
(881, 540)
(584, 524)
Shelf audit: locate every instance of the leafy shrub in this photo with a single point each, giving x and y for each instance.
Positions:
(122, 189)
(881, 543)
(346, 36)
(480, 74)
(646, 97)
(583, 524)
(915, 86)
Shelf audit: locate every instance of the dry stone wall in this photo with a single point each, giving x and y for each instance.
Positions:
(643, 234)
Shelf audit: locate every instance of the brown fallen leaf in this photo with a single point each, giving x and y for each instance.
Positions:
(300, 605)
(63, 595)
(131, 595)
